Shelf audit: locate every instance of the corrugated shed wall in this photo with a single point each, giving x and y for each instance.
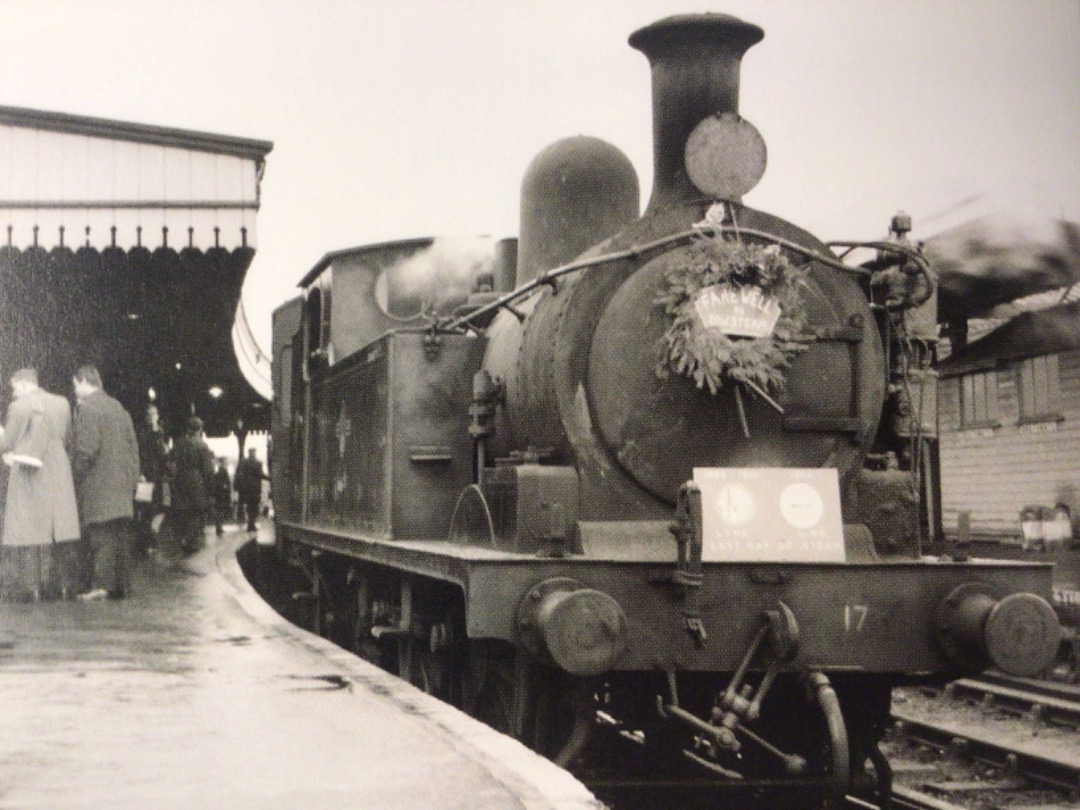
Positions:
(994, 472)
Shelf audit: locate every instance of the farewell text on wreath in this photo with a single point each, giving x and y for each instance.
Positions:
(736, 315)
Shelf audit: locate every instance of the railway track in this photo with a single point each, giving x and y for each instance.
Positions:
(906, 799)
(1043, 702)
(1011, 761)
(988, 742)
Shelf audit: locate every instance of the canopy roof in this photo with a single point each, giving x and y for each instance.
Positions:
(137, 133)
(78, 181)
(1030, 334)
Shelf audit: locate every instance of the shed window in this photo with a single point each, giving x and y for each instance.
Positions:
(1040, 389)
(978, 399)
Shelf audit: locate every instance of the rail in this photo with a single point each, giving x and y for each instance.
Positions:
(1041, 701)
(1057, 773)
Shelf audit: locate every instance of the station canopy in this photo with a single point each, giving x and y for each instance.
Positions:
(126, 246)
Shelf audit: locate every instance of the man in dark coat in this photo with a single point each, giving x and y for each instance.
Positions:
(192, 468)
(221, 491)
(153, 456)
(41, 523)
(248, 484)
(105, 465)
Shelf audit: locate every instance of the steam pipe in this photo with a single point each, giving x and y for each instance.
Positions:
(640, 250)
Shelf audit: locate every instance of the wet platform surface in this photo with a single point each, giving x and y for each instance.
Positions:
(194, 694)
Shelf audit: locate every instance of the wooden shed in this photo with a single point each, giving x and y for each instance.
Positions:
(1009, 422)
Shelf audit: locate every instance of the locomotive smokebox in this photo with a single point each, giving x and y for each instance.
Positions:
(695, 61)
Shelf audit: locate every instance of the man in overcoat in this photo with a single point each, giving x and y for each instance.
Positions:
(41, 523)
(192, 466)
(221, 493)
(153, 459)
(105, 463)
(248, 484)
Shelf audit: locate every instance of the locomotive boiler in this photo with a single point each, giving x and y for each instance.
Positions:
(662, 478)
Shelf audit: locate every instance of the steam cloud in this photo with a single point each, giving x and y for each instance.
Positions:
(439, 278)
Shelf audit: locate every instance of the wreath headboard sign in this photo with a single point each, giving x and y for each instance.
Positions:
(736, 314)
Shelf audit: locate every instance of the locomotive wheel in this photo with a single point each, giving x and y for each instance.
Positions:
(820, 735)
(489, 685)
(359, 616)
(838, 755)
(426, 663)
(362, 643)
(866, 704)
(547, 710)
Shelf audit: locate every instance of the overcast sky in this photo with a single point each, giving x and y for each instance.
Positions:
(393, 119)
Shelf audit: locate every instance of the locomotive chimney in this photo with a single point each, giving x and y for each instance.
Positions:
(695, 62)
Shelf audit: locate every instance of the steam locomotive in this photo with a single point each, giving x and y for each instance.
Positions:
(662, 476)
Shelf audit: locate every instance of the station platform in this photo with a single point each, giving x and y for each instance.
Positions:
(193, 693)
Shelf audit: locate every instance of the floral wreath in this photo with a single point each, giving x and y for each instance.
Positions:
(707, 355)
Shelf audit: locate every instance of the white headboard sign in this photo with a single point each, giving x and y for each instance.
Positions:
(756, 514)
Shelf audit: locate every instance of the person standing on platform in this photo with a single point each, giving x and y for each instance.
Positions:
(153, 457)
(221, 491)
(105, 463)
(248, 484)
(192, 468)
(41, 523)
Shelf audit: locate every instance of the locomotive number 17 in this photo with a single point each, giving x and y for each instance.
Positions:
(855, 617)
